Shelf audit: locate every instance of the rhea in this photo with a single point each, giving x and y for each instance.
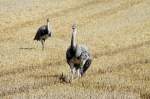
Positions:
(78, 57)
(43, 33)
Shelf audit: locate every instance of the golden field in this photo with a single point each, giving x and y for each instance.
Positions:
(117, 33)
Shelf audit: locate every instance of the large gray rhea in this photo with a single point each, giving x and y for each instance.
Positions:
(78, 56)
(43, 33)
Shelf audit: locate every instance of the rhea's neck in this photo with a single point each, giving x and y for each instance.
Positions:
(73, 39)
(48, 26)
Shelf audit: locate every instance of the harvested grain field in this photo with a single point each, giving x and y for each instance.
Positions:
(116, 31)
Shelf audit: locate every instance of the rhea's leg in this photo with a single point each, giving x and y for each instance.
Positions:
(73, 71)
(82, 67)
(79, 73)
(36, 44)
(42, 42)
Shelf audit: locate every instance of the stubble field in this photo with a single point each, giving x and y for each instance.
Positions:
(117, 33)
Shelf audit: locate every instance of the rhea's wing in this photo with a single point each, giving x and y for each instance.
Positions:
(86, 66)
(37, 36)
(68, 55)
(82, 52)
(41, 32)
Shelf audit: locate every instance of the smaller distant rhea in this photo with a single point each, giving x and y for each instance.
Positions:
(43, 33)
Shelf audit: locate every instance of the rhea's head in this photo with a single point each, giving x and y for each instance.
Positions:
(74, 26)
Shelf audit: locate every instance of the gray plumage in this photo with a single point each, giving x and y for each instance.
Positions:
(78, 56)
(43, 33)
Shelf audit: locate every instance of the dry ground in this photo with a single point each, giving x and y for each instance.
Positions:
(116, 31)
